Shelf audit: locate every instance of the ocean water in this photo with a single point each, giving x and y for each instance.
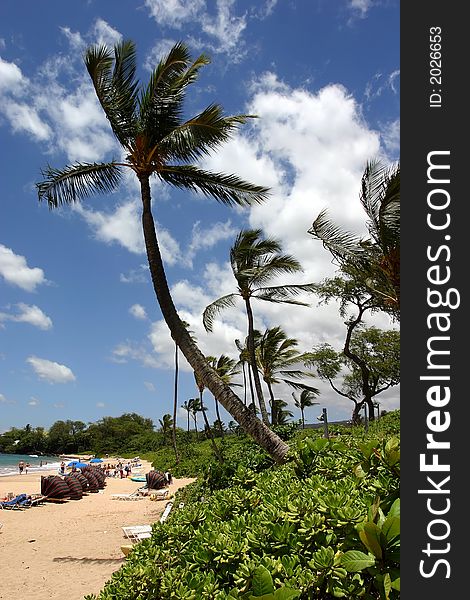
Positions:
(9, 463)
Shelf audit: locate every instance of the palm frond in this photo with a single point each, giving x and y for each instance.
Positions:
(284, 293)
(302, 386)
(339, 242)
(116, 88)
(76, 182)
(161, 103)
(200, 135)
(213, 309)
(228, 189)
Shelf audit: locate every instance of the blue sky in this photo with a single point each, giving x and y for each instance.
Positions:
(81, 334)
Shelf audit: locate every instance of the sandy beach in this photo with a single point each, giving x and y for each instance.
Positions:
(55, 551)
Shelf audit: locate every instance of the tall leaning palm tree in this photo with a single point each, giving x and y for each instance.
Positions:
(158, 142)
(256, 261)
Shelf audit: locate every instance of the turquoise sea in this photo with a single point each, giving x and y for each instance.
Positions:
(9, 463)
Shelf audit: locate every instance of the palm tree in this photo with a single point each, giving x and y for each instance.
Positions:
(187, 407)
(282, 414)
(201, 387)
(277, 356)
(375, 260)
(226, 368)
(166, 424)
(255, 261)
(194, 407)
(157, 141)
(175, 398)
(305, 400)
(244, 362)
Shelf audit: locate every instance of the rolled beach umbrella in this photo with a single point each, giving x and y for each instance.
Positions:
(75, 487)
(96, 460)
(93, 483)
(82, 480)
(155, 480)
(98, 474)
(54, 486)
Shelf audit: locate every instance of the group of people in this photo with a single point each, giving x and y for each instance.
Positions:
(119, 470)
(22, 466)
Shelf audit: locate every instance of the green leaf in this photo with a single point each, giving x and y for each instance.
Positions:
(395, 509)
(391, 528)
(396, 584)
(262, 581)
(370, 537)
(286, 593)
(355, 560)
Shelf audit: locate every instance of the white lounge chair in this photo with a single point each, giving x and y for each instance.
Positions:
(137, 533)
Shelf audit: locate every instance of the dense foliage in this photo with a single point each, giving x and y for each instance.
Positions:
(324, 525)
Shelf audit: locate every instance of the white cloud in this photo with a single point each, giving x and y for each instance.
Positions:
(51, 371)
(31, 314)
(14, 269)
(149, 385)
(33, 402)
(175, 13)
(5, 400)
(206, 238)
(100, 405)
(138, 311)
(361, 7)
(105, 34)
(11, 77)
(222, 26)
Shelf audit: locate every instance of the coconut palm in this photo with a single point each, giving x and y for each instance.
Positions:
(201, 387)
(166, 425)
(194, 408)
(187, 407)
(255, 261)
(227, 369)
(277, 357)
(305, 400)
(148, 123)
(244, 362)
(175, 398)
(375, 260)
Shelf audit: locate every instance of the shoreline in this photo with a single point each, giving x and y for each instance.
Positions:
(68, 550)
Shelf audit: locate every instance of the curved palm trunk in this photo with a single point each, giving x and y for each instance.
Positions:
(268, 440)
(175, 404)
(254, 369)
(250, 379)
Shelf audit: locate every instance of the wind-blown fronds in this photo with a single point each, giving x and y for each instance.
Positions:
(211, 311)
(228, 189)
(77, 181)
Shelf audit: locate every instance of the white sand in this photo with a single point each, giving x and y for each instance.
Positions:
(65, 551)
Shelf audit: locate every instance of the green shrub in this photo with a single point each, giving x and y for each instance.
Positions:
(324, 525)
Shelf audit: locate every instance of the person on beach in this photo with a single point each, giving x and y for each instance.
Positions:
(62, 468)
(21, 467)
(26, 468)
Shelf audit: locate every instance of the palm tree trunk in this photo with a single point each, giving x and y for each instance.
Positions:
(218, 417)
(209, 430)
(188, 421)
(267, 439)
(244, 382)
(303, 419)
(175, 404)
(273, 405)
(254, 368)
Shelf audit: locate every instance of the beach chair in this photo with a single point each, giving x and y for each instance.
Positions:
(137, 533)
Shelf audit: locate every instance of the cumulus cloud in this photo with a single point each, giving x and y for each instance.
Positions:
(149, 385)
(221, 26)
(50, 371)
(15, 270)
(138, 311)
(33, 402)
(31, 314)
